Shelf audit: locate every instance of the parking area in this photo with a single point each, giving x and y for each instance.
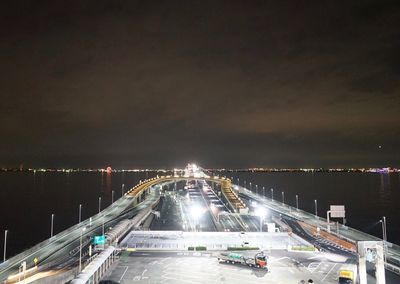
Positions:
(191, 267)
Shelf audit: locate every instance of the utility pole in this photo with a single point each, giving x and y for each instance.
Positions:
(80, 213)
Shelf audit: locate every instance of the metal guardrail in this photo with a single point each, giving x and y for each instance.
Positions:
(345, 232)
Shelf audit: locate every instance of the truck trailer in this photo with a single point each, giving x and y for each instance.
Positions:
(259, 260)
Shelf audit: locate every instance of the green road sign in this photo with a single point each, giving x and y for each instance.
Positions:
(99, 240)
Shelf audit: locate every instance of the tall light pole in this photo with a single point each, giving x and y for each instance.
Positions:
(51, 227)
(80, 250)
(5, 245)
(99, 204)
(316, 207)
(80, 212)
(112, 197)
(384, 237)
(272, 194)
(283, 197)
(297, 202)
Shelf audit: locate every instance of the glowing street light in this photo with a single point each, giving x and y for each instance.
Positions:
(261, 212)
(196, 211)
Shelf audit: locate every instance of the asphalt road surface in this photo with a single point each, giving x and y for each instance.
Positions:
(184, 267)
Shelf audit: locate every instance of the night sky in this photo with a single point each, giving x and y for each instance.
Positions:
(222, 83)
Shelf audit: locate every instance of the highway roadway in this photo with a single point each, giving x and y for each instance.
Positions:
(63, 248)
(320, 243)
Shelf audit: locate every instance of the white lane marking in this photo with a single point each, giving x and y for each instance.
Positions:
(123, 274)
(177, 280)
(277, 259)
(310, 266)
(328, 272)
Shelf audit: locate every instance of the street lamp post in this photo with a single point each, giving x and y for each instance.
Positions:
(80, 212)
(80, 250)
(283, 197)
(99, 204)
(316, 207)
(52, 223)
(297, 202)
(5, 245)
(272, 194)
(384, 237)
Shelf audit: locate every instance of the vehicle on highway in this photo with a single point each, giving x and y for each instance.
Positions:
(348, 274)
(259, 260)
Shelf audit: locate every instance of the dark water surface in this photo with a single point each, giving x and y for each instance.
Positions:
(27, 200)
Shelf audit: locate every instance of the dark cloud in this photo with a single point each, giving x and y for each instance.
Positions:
(148, 83)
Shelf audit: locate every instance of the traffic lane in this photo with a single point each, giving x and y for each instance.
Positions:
(64, 257)
(292, 223)
(58, 243)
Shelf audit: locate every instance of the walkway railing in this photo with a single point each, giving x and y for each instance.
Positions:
(97, 268)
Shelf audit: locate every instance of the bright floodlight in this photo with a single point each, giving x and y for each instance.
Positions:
(261, 211)
(196, 211)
